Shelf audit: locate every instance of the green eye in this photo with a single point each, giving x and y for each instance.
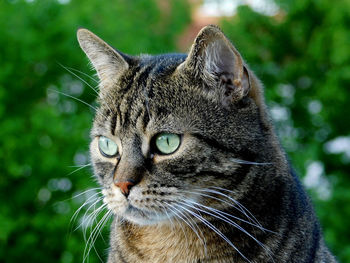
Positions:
(107, 147)
(167, 143)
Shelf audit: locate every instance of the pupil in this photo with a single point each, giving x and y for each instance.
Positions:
(167, 140)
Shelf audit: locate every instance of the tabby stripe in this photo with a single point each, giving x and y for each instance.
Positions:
(243, 154)
(122, 91)
(147, 115)
(237, 175)
(120, 254)
(114, 123)
(139, 80)
(116, 115)
(145, 119)
(129, 79)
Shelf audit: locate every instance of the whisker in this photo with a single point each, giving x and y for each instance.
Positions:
(183, 217)
(98, 232)
(81, 72)
(76, 166)
(84, 204)
(91, 218)
(176, 216)
(164, 209)
(244, 210)
(81, 79)
(95, 212)
(223, 201)
(225, 219)
(240, 161)
(93, 236)
(78, 169)
(87, 221)
(75, 98)
(212, 227)
(233, 200)
(84, 192)
(232, 216)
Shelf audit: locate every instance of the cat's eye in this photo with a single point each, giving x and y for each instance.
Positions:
(107, 147)
(167, 143)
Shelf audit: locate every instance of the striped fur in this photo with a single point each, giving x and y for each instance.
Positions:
(227, 194)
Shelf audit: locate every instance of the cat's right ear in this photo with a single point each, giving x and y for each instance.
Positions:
(214, 60)
(109, 63)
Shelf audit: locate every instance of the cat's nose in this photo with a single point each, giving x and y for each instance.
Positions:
(125, 186)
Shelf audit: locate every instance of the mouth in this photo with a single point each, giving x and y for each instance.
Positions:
(132, 210)
(142, 217)
(137, 210)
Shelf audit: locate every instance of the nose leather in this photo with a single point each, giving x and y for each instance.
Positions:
(130, 167)
(125, 186)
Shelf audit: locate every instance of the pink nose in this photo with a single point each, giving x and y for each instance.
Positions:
(125, 187)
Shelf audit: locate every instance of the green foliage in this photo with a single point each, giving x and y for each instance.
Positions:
(45, 133)
(302, 57)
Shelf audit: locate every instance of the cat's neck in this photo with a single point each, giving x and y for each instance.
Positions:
(164, 242)
(176, 242)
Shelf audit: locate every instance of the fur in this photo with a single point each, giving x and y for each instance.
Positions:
(227, 194)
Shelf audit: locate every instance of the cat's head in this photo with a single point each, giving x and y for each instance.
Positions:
(172, 130)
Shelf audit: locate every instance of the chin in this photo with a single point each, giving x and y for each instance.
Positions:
(143, 218)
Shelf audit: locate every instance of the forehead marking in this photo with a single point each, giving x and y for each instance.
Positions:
(138, 83)
(114, 123)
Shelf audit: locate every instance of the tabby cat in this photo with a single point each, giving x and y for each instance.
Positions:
(189, 161)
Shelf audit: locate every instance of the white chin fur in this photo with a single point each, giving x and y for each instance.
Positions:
(137, 216)
(120, 206)
(139, 220)
(115, 200)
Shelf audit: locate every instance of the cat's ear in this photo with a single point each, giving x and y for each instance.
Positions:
(109, 63)
(217, 62)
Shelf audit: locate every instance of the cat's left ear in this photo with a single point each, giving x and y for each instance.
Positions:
(217, 62)
(109, 63)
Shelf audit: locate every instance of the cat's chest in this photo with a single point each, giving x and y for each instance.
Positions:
(171, 244)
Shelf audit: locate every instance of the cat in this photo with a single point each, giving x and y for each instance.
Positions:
(189, 161)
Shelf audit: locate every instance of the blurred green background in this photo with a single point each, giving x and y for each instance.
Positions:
(298, 48)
